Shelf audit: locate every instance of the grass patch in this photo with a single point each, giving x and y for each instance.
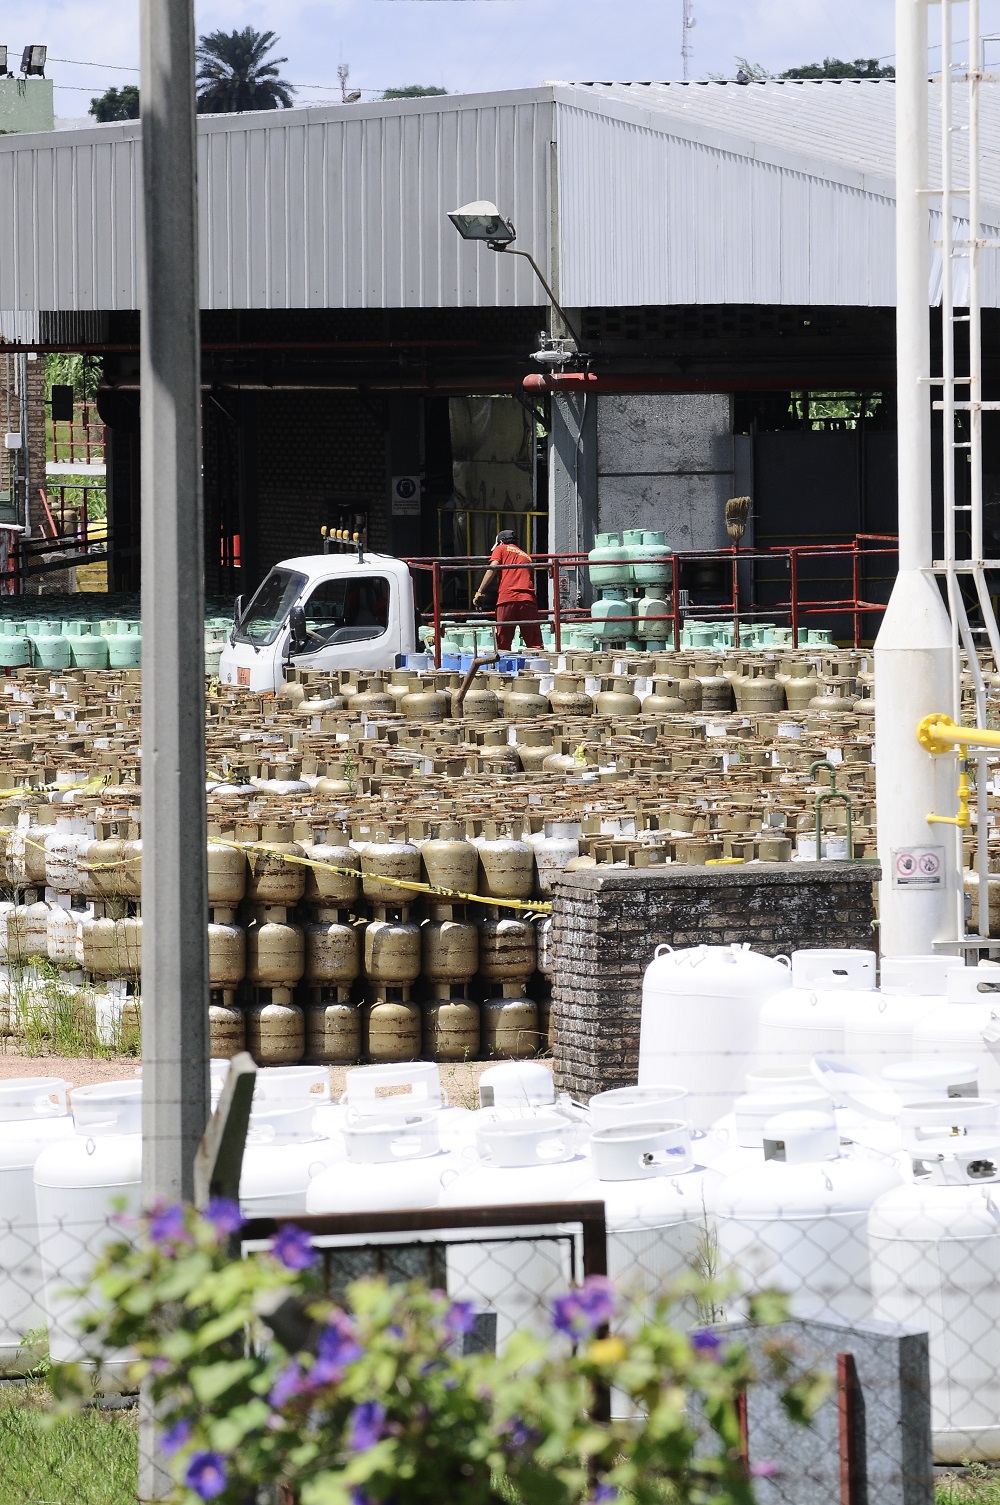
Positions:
(90, 1459)
(978, 1484)
(47, 1016)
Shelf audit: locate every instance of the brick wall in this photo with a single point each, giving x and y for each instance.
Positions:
(314, 449)
(606, 925)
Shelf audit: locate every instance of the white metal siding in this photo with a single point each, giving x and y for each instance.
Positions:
(331, 208)
(649, 217)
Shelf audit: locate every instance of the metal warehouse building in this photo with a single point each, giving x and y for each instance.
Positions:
(726, 252)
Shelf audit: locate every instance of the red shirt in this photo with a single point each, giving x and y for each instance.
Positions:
(517, 584)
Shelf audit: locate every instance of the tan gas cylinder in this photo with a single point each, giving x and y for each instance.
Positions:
(111, 948)
(332, 847)
(271, 880)
(275, 948)
(382, 860)
(534, 745)
(227, 870)
(506, 866)
(392, 1026)
(523, 700)
(227, 949)
(449, 946)
(716, 690)
(480, 703)
(618, 699)
(101, 864)
(758, 691)
(507, 950)
(392, 948)
(449, 860)
(373, 699)
(665, 699)
(801, 685)
(425, 703)
(510, 1025)
(28, 932)
(333, 1028)
(26, 852)
(333, 948)
(276, 1031)
(227, 1026)
(400, 683)
(451, 1025)
(688, 687)
(568, 696)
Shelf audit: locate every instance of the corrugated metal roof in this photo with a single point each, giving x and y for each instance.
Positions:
(780, 192)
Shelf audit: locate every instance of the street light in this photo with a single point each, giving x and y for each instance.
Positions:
(482, 220)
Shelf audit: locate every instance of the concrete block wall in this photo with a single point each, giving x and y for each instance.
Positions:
(607, 923)
(665, 460)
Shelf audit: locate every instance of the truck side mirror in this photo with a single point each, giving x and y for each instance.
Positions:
(237, 611)
(299, 631)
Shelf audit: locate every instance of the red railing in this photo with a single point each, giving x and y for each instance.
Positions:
(82, 441)
(799, 604)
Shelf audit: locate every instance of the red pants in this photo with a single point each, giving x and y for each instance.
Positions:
(523, 614)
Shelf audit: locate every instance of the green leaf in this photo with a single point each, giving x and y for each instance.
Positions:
(210, 1381)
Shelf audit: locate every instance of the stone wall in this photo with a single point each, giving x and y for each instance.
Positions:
(607, 922)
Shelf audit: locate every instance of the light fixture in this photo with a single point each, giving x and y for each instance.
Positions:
(33, 61)
(482, 220)
(553, 351)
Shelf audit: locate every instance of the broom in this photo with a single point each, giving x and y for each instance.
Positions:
(737, 512)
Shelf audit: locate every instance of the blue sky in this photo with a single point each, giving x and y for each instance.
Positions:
(466, 45)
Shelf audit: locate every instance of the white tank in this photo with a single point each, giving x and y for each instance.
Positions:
(699, 1022)
(393, 1163)
(521, 1161)
(33, 1114)
(631, 1105)
(397, 1090)
(879, 1030)
(809, 1017)
(736, 1141)
(967, 1024)
(935, 1259)
(797, 1221)
(81, 1182)
(284, 1153)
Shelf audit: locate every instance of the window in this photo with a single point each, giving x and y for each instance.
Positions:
(349, 609)
(267, 611)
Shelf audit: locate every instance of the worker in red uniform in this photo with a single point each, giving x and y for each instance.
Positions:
(517, 605)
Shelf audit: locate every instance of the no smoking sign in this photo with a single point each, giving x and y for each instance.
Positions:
(918, 867)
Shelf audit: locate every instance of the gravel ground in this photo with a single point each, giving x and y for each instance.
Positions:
(460, 1081)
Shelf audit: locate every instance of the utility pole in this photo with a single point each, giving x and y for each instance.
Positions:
(174, 891)
(687, 23)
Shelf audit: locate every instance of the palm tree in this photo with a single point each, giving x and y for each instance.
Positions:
(235, 74)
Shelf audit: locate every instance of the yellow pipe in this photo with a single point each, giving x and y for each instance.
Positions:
(938, 734)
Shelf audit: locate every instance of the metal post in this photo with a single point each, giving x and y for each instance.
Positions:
(436, 609)
(174, 896)
(913, 647)
(793, 594)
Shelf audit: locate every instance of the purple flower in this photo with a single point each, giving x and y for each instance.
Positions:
(174, 1438)
(225, 1216)
(292, 1246)
(583, 1311)
(603, 1494)
(706, 1343)
(460, 1319)
(518, 1436)
(206, 1475)
(366, 1425)
(765, 1469)
(290, 1382)
(168, 1227)
(334, 1351)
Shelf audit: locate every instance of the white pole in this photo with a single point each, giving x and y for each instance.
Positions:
(913, 648)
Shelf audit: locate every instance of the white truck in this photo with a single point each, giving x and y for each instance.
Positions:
(347, 610)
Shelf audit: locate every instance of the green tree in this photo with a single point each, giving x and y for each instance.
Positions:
(117, 104)
(413, 91)
(235, 73)
(835, 67)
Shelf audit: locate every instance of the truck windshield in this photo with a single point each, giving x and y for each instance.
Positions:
(262, 620)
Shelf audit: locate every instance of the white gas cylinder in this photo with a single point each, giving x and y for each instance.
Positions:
(878, 1028)
(967, 1024)
(284, 1153)
(935, 1260)
(736, 1140)
(797, 1221)
(80, 1183)
(700, 1008)
(33, 1114)
(400, 1089)
(631, 1105)
(392, 1163)
(809, 1016)
(517, 1161)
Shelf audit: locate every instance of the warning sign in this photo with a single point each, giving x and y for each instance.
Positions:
(406, 496)
(918, 867)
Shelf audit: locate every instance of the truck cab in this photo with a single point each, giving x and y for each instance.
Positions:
(323, 611)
